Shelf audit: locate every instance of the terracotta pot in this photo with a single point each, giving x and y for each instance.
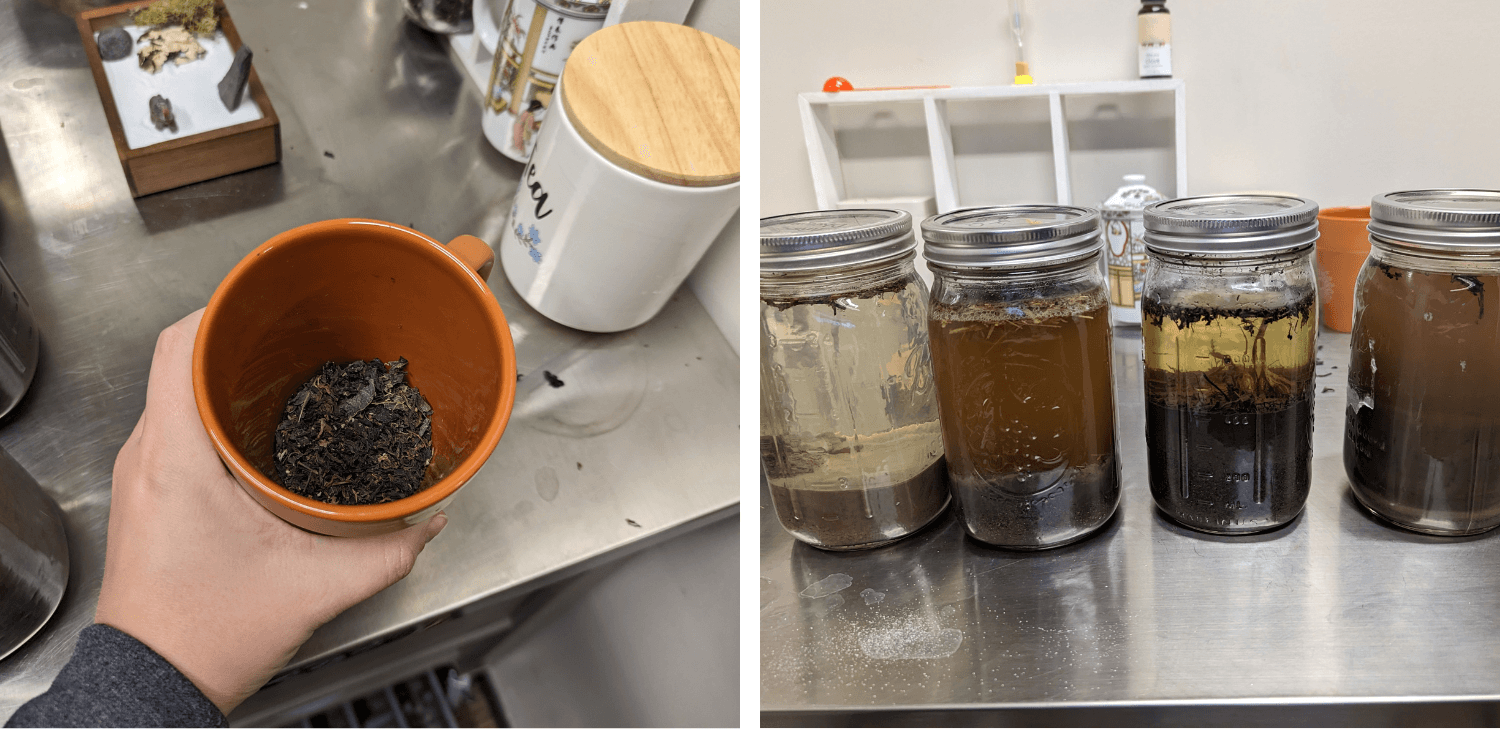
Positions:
(355, 290)
(1343, 245)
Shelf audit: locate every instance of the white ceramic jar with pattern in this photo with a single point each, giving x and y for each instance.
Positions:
(635, 173)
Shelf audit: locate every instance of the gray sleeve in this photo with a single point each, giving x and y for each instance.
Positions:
(115, 681)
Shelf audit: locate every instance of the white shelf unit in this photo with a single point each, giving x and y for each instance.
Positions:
(827, 164)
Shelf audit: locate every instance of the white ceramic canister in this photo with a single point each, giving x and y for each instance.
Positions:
(634, 174)
(1125, 251)
(536, 38)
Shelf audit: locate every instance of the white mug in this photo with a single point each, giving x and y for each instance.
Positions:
(599, 248)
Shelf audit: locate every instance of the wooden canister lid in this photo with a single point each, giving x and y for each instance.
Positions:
(658, 99)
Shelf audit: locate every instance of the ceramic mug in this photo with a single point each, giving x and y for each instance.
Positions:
(1343, 246)
(597, 247)
(346, 290)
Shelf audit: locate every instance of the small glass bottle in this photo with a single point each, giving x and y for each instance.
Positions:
(1154, 35)
(1422, 425)
(1021, 344)
(1229, 337)
(850, 441)
(1123, 231)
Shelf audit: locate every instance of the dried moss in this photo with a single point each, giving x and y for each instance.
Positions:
(198, 16)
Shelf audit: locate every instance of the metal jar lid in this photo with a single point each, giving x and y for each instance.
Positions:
(1231, 225)
(834, 239)
(1010, 236)
(1452, 220)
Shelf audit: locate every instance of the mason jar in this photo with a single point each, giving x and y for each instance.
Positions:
(1422, 424)
(850, 441)
(1229, 338)
(1021, 343)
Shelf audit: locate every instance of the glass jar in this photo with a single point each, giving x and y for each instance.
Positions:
(1422, 425)
(1229, 338)
(849, 431)
(1021, 342)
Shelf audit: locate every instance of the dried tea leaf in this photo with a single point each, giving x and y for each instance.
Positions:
(360, 401)
(355, 433)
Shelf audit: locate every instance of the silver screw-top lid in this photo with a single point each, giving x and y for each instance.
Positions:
(1455, 220)
(1231, 225)
(1010, 236)
(831, 239)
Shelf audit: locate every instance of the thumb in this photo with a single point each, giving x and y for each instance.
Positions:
(368, 565)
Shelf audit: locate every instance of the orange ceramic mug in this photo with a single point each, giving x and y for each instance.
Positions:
(355, 290)
(1343, 246)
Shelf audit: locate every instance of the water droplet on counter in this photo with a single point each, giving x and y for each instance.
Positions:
(546, 483)
(828, 586)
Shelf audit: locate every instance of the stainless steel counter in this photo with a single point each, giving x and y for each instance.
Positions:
(1337, 618)
(637, 445)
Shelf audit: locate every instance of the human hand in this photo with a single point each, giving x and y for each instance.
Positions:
(201, 573)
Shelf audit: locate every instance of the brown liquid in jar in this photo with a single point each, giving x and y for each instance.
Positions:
(1422, 426)
(1025, 392)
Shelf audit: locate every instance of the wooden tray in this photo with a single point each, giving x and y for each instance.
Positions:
(195, 157)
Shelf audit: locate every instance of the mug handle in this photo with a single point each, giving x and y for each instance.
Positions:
(475, 254)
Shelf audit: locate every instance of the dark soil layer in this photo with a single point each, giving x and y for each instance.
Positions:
(854, 519)
(1230, 471)
(356, 433)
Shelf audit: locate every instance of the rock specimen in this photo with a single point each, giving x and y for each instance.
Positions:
(356, 433)
(161, 113)
(198, 16)
(234, 81)
(168, 44)
(114, 44)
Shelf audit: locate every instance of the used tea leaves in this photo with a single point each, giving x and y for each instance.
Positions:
(356, 433)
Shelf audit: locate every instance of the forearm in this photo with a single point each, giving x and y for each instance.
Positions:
(115, 681)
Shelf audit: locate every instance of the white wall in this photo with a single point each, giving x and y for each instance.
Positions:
(654, 644)
(1335, 100)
